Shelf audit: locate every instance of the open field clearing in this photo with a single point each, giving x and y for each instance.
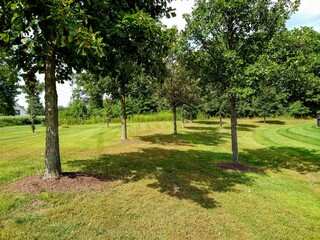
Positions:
(161, 186)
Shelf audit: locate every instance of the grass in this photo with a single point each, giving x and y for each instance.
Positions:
(167, 187)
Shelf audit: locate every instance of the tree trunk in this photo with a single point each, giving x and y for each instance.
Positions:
(174, 111)
(182, 120)
(123, 114)
(264, 118)
(220, 117)
(234, 140)
(191, 118)
(31, 115)
(53, 165)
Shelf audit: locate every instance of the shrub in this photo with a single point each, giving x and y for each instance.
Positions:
(18, 120)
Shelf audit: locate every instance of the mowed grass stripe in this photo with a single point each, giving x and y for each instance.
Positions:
(291, 133)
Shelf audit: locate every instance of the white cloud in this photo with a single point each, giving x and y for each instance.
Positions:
(182, 7)
(308, 14)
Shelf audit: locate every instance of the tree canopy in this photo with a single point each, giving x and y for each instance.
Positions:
(225, 37)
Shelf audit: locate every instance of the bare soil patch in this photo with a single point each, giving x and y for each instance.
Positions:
(238, 167)
(68, 182)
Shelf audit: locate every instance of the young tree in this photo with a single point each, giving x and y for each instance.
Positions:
(131, 59)
(33, 89)
(225, 37)
(180, 90)
(92, 87)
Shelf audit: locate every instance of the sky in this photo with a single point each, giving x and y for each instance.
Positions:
(307, 15)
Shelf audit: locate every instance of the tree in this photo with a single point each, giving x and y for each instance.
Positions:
(33, 89)
(225, 37)
(295, 56)
(91, 87)
(180, 91)
(132, 58)
(8, 84)
(51, 37)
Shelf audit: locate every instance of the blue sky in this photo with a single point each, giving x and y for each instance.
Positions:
(307, 15)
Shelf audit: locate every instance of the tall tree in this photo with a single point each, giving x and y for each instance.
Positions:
(226, 37)
(49, 36)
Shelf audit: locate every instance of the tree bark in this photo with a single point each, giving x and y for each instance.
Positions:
(174, 111)
(264, 118)
(52, 162)
(124, 135)
(220, 117)
(191, 118)
(234, 137)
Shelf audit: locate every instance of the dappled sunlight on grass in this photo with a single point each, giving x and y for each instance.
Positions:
(174, 171)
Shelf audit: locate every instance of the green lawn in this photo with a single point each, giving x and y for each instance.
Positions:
(167, 187)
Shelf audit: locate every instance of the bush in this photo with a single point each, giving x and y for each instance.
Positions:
(18, 120)
(156, 117)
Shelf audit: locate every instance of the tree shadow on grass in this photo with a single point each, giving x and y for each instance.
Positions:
(209, 122)
(276, 158)
(206, 136)
(273, 122)
(244, 127)
(183, 174)
(200, 128)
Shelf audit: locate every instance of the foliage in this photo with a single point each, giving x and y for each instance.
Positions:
(33, 89)
(18, 120)
(89, 88)
(9, 87)
(297, 109)
(295, 56)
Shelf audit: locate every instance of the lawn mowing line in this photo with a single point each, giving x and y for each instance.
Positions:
(296, 137)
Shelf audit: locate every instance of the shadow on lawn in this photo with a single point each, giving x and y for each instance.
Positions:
(208, 122)
(244, 127)
(184, 174)
(204, 135)
(276, 158)
(274, 122)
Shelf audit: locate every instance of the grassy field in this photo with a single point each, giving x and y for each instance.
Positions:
(168, 187)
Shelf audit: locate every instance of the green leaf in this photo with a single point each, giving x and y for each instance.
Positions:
(70, 38)
(4, 37)
(14, 6)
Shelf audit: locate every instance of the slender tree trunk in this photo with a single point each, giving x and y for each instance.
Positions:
(182, 120)
(264, 118)
(220, 117)
(191, 118)
(124, 135)
(32, 119)
(234, 137)
(174, 111)
(53, 165)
